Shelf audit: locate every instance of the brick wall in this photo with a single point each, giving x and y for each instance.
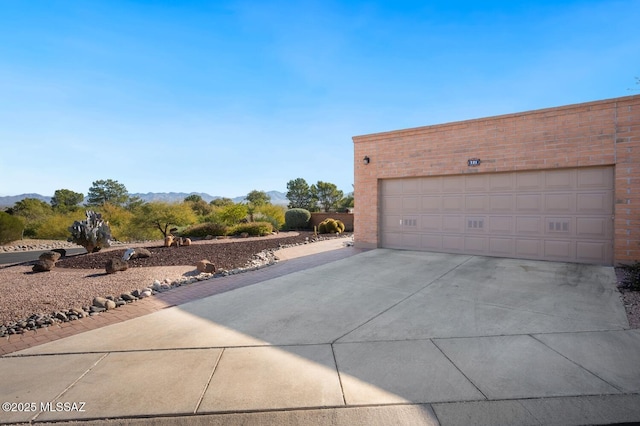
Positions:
(597, 133)
(346, 218)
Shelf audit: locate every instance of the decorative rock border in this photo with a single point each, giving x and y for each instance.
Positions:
(101, 304)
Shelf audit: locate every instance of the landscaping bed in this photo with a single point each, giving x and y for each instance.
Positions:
(76, 280)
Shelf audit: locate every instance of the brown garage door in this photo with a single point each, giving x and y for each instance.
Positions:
(560, 215)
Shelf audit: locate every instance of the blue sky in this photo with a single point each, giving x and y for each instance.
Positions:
(224, 97)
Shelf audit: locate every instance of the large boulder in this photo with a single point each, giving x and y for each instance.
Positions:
(50, 255)
(43, 265)
(115, 265)
(140, 253)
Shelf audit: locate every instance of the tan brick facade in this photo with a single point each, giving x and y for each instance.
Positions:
(597, 133)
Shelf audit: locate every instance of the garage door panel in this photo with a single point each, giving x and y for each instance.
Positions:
(453, 243)
(527, 203)
(411, 204)
(501, 203)
(558, 227)
(391, 205)
(431, 203)
(477, 245)
(559, 180)
(433, 185)
(453, 203)
(478, 203)
(529, 181)
(594, 178)
(431, 242)
(475, 224)
(595, 202)
(563, 215)
(501, 224)
(500, 182)
(501, 246)
(392, 239)
(453, 184)
(594, 227)
(411, 186)
(560, 202)
(431, 223)
(392, 223)
(528, 248)
(592, 251)
(476, 183)
(528, 225)
(559, 249)
(453, 224)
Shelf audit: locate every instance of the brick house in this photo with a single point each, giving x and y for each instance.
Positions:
(560, 184)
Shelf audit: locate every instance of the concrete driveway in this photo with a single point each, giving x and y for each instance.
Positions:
(381, 337)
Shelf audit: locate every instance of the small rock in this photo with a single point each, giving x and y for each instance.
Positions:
(96, 310)
(115, 265)
(128, 254)
(43, 266)
(120, 303)
(145, 293)
(135, 293)
(61, 316)
(100, 302)
(110, 304)
(206, 266)
(186, 242)
(127, 297)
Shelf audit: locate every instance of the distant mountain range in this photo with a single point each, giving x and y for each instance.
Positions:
(170, 197)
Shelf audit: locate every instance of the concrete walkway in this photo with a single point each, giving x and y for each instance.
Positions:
(378, 337)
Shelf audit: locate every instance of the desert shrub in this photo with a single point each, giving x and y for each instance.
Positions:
(10, 228)
(271, 213)
(330, 226)
(201, 230)
(252, 228)
(233, 214)
(631, 278)
(297, 218)
(57, 227)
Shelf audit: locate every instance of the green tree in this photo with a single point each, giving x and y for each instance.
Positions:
(255, 199)
(258, 198)
(33, 212)
(327, 194)
(299, 195)
(222, 202)
(31, 209)
(163, 216)
(10, 228)
(347, 202)
(233, 213)
(134, 203)
(198, 205)
(193, 198)
(65, 200)
(107, 191)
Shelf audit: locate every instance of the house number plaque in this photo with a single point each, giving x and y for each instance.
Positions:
(473, 162)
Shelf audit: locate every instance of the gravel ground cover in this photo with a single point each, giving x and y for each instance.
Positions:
(76, 280)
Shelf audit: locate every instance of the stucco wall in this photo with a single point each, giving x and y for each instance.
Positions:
(597, 133)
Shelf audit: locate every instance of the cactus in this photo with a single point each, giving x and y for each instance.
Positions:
(331, 226)
(93, 233)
